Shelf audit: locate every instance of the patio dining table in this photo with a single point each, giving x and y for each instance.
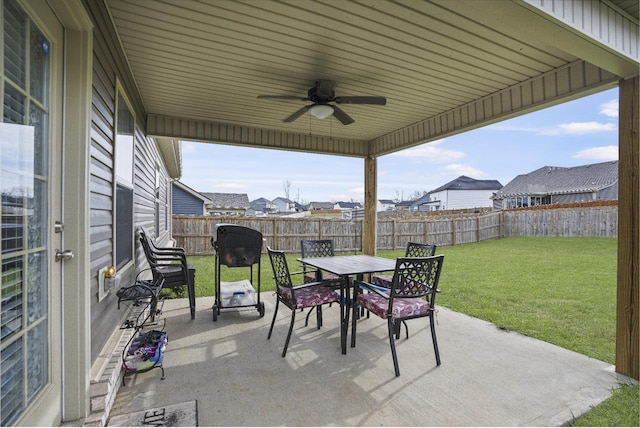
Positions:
(346, 266)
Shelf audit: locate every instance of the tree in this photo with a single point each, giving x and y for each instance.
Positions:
(286, 185)
(399, 196)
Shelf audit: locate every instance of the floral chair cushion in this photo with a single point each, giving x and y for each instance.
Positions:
(307, 297)
(402, 307)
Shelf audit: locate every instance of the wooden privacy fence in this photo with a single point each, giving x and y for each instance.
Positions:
(194, 233)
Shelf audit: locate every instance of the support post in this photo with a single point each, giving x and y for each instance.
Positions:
(628, 295)
(369, 225)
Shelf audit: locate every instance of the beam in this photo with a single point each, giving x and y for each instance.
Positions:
(221, 133)
(628, 293)
(572, 81)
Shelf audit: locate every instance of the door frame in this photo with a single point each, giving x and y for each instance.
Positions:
(71, 293)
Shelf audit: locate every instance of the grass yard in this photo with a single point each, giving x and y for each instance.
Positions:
(560, 290)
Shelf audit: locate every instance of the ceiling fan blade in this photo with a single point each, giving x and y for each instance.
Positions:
(297, 114)
(343, 117)
(282, 97)
(361, 100)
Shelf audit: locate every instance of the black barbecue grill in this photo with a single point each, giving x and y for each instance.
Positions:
(237, 247)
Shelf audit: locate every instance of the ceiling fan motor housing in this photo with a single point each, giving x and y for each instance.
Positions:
(316, 95)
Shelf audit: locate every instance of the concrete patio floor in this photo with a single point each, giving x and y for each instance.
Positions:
(488, 376)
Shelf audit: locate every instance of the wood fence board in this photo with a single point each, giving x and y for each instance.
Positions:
(194, 233)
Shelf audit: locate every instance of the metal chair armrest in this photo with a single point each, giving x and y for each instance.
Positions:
(381, 291)
(308, 284)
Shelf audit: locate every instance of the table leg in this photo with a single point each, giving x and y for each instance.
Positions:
(354, 307)
(344, 312)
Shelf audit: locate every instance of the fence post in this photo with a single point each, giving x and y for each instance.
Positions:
(274, 226)
(426, 231)
(453, 232)
(393, 234)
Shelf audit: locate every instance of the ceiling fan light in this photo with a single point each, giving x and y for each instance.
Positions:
(321, 111)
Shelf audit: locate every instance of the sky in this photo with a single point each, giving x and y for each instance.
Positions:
(579, 132)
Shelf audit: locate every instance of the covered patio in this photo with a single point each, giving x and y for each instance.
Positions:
(488, 376)
(201, 70)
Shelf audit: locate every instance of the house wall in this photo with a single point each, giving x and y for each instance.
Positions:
(461, 199)
(109, 67)
(185, 203)
(572, 198)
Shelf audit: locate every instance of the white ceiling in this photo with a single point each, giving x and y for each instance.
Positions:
(444, 66)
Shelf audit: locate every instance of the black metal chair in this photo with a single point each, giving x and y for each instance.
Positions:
(413, 250)
(318, 248)
(170, 264)
(300, 297)
(412, 295)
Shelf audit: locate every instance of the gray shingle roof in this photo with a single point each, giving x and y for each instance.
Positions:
(467, 183)
(322, 205)
(228, 200)
(554, 180)
(349, 205)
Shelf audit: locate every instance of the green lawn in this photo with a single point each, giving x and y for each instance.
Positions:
(560, 290)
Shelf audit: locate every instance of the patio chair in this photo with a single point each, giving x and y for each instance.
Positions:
(300, 297)
(413, 250)
(412, 295)
(318, 248)
(170, 264)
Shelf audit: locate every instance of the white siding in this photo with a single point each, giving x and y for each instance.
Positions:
(462, 199)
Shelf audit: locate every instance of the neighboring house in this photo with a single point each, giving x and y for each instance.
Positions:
(284, 205)
(261, 207)
(187, 201)
(461, 193)
(556, 185)
(385, 205)
(228, 203)
(347, 206)
(315, 206)
(404, 205)
(421, 204)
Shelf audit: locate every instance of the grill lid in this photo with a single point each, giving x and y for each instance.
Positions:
(237, 245)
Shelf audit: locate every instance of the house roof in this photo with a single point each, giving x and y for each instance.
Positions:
(228, 200)
(467, 183)
(349, 205)
(322, 205)
(192, 192)
(285, 200)
(386, 201)
(554, 180)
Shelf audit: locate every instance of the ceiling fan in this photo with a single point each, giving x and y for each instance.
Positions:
(322, 94)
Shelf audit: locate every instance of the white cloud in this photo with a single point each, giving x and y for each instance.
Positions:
(579, 128)
(187, 147)
(462, 169)
(604, 153)
(610, 108)
(432, 152)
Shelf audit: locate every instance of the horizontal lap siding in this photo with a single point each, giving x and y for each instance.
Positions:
(108, 63)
